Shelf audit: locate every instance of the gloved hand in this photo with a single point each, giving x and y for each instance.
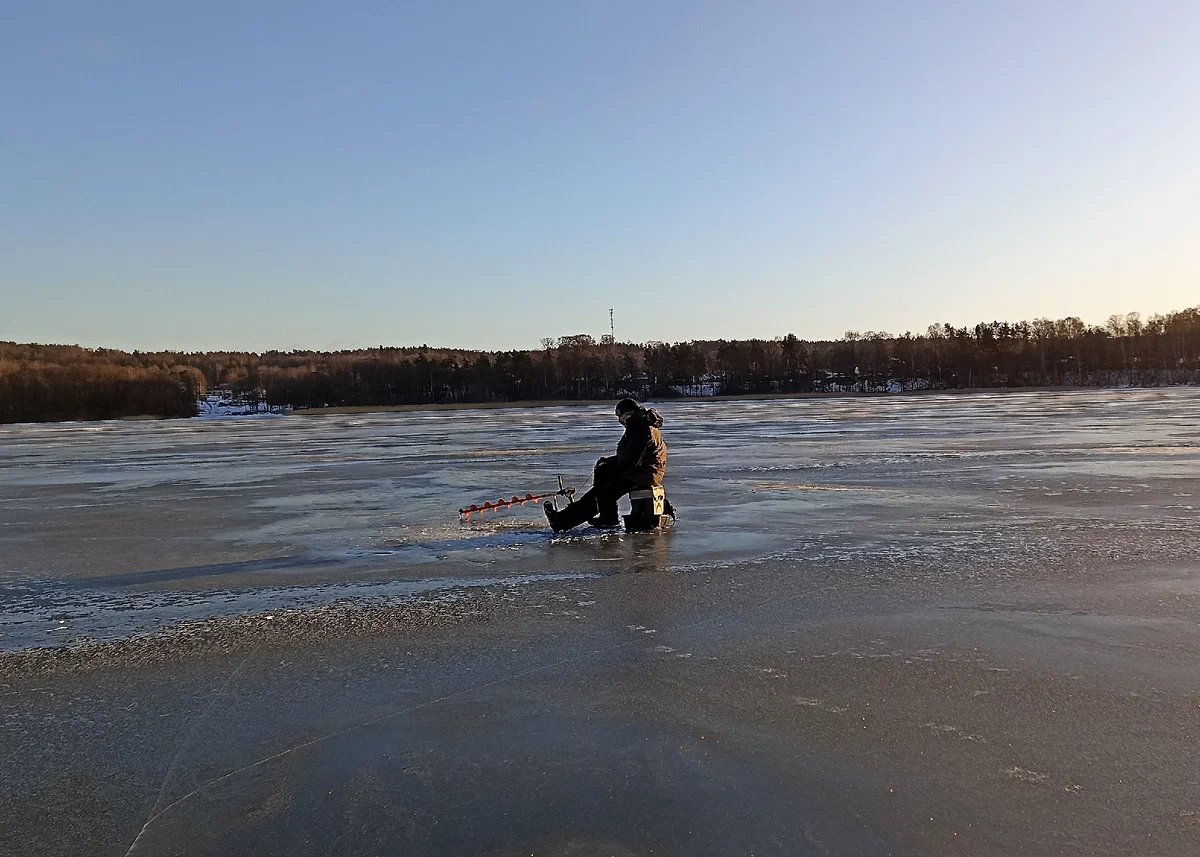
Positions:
(602, 472)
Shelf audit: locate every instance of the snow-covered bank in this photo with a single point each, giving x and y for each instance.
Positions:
(221, 408)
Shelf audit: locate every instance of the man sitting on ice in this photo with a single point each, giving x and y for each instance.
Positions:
(640, 462)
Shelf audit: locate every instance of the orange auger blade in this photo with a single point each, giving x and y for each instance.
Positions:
(504, 504)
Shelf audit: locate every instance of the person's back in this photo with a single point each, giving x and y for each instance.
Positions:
(642, 452)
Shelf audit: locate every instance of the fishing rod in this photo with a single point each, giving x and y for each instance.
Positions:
(563, 491)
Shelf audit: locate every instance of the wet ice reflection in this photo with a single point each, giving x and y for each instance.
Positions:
(171, 517)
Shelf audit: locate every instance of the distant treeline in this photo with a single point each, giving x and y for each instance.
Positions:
(60, 382)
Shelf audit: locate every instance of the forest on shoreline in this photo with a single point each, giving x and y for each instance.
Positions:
(71, 382)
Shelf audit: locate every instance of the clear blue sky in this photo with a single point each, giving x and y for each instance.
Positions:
(482, 174)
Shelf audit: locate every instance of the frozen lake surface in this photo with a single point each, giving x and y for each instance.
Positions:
(108, 529)
(899, 626)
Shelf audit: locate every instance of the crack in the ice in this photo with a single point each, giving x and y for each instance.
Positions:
(183, 746)
(383, 717)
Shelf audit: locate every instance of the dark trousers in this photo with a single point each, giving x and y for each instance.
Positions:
(601, 501)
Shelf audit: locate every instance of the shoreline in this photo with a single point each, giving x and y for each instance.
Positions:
(744, 397)
(524, 404)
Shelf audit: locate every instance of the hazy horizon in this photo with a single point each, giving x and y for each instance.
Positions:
(306, 176)
(1099, 322)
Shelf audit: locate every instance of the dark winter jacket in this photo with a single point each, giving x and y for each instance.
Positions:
(642, 454)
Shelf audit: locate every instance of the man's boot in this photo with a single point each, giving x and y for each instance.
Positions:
(607, 519)
(572, 516)
(552, 517)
